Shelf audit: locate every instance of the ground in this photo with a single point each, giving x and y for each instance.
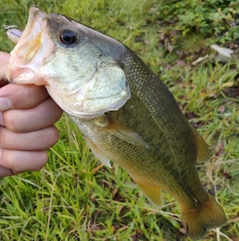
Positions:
(76, 198)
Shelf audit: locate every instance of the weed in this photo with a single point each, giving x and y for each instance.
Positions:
(76, 198)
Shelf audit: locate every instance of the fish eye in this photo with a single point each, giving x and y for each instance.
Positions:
(68, 36)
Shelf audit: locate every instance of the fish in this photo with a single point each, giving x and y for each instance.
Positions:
(125, 112)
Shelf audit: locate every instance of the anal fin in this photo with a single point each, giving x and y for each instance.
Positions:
(153, 193)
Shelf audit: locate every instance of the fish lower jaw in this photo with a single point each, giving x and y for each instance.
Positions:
(20, 76)
(78, 104)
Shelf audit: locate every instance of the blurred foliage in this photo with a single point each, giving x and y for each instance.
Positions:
(219, 18)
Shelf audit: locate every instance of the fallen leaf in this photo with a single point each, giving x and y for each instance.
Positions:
(200, 59)
(228, 84)
(170, 48)
(221, 109)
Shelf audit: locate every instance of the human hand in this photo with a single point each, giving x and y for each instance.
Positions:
(27, 115)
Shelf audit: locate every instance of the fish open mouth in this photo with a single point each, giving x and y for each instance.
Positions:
(33, 46)
(30, 40)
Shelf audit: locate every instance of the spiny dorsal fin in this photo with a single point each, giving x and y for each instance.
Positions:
(202, 148)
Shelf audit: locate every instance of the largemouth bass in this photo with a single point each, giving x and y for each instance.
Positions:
(124, 111)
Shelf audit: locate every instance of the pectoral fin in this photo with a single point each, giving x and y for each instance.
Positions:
(98, 152)
(123, 132)
(202, 149)
(153, 193)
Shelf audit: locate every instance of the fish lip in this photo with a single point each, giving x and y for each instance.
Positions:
(23, 61)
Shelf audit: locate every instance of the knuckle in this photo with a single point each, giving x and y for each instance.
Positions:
(7, 159)
(43, 157)
(10, 123)
(53, 133)
(57, 111)
(40, 160)
(3, 137)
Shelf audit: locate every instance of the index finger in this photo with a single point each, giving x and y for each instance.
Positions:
(18, 96)
(14, 96)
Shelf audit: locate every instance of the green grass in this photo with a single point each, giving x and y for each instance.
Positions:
(74, 197)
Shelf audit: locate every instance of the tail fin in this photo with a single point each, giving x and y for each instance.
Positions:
(198, 221)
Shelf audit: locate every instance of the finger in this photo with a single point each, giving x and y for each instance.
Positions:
(31, 141)
(4, 63)
(4, 172)
(21, 96)
(13, 162)
(39, 117)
